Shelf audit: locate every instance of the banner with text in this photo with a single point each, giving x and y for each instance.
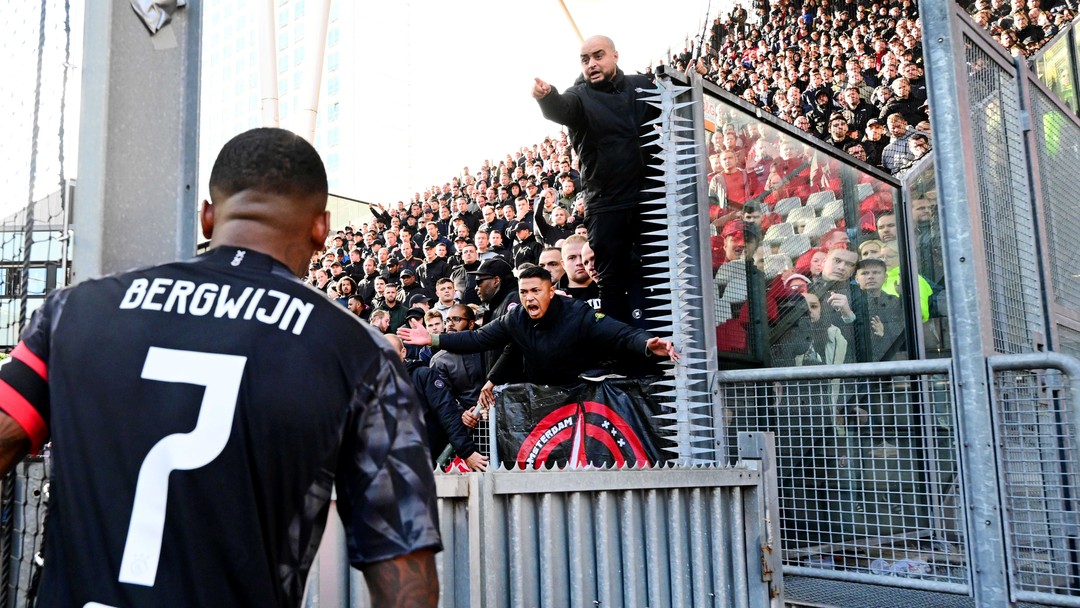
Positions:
(610, 422)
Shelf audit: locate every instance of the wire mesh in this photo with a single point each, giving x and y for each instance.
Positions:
(867, 473)
(39, 141)
(28, 508)
(1068, 341)
(1057, 144)
(1034, 411)
(1001, 175)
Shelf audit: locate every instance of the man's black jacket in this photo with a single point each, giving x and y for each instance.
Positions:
(571, 338)
(441, 412)
(606, 123)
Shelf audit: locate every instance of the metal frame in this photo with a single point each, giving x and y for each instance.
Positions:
(971, 336)
(1069, 367)
(927, 367)
(1056, 313)
(681, 537)
(138, 139)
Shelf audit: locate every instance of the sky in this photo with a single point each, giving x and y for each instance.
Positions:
(477, 60)
(462, 70)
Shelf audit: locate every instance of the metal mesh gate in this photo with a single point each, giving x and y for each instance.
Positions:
(1007, 224)
(1035, 417)
(867, 468)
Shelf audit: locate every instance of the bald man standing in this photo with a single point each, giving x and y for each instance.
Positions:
(605, 114)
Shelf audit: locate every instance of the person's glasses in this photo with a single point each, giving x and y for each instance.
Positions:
(456, 319)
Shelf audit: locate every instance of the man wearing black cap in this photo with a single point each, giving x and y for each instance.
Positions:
(414, 317)
(409, 285)
(391, 271)
(874, 141)
(496, 287)
(820, 113)
(526, 249)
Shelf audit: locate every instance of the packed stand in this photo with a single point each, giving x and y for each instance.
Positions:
(447, 259)
(851, 74)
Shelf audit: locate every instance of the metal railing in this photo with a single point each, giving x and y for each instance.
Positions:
(1037, 421)
(679, 537)
(868, 464)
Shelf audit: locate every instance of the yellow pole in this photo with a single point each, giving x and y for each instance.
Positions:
(573, 23)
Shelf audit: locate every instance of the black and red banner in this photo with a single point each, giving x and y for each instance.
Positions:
(604, 423)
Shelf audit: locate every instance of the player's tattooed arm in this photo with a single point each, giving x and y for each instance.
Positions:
(407, 581)
(14, 443)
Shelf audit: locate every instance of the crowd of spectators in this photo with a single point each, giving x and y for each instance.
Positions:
(446, 260)
(848, 73)
(842, 70)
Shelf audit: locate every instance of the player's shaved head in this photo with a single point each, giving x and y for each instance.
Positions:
(271, 161)
(268, 192)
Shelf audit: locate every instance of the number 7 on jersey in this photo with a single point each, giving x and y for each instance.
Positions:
(221, 375)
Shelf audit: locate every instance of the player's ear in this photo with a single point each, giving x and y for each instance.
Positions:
(320, 229)
(206, 218)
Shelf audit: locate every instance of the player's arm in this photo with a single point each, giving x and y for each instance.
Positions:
(386, 488)
(404, 581)
(24, 395)
(14, 443)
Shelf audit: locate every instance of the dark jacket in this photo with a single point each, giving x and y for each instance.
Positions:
(550, 233)
(570, 339)
(465, 372)
(606, 124)
(429, 273)
(442, 414)
(465, 283)
(527, 251)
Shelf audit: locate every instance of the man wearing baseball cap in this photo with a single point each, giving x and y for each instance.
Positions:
(526, 249)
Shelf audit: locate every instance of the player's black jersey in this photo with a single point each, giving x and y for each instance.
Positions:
(200, 413)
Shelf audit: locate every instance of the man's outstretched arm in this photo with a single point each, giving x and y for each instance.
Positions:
(406, 581)
(563, 109)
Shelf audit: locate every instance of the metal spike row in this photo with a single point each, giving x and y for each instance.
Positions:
(677, 416)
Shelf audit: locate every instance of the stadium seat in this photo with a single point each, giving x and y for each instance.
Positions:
(817, 200)
(863, 190)
(787, 205)
(833, 211)
(778, 232)
(795, 246)
(730, 284)
(817, 227)
(775, 264)
(802, 214)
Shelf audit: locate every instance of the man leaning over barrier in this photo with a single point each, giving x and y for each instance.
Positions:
(558, 337)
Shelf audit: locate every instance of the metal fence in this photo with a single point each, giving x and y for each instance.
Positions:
(684, 536)
(867, 461)
(36, 106)
(1002, 179)
(1036, 415)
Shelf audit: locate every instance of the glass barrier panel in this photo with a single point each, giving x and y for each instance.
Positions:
(926, 242)
(805, 260)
